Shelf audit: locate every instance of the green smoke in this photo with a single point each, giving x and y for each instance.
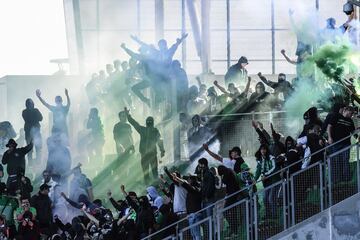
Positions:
(332, 59)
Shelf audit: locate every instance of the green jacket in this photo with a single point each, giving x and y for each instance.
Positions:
(265, 167)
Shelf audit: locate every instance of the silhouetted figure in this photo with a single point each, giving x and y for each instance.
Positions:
(7, 132)
(156, 68)
(93, 89)
(195, 104)
(123, 136)
(59, 158)
(97, 140)
(197, 134)
(237, 73)
(149, 138)
(32, 118)
(281, 87)
(260, 99)
(59, 111)
(14, 158)
(180, 79)
(164, 54)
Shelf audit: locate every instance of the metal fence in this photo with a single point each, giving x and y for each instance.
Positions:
(279, 205)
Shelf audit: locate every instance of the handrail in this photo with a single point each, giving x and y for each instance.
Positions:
(254, 184)
(244, 114)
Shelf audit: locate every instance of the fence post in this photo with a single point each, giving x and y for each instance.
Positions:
(247, 220)
(292, 200)
(329, 182)
(177, 231)
(321, 188)
(284, 203)
(211, 227)
(218, 225)
(358, 167)
(255, 217)
(289, 197)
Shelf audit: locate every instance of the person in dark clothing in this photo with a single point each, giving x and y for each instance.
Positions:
(314, 142)
(97, 138)
(207, 181)
(169, 217)
(260, 99)
(264, 137)
(28, 229)
(193, 203)
(181, 81)
(59, 111)
(21, 185)
(292, 155)
(234, 161)
(145, 219)
(123, 136)
(237, 73)
(121, 206)
(240, 99)
(59, 157)
(281, 87)
(42, 203)
(32, 118)
(277, 147)
(6, 133)
(341, 126)
(232, 186)
(338, 108)
(149, 138)
(14, 158)
(311, 117)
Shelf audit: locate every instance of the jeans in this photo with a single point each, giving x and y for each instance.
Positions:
(209, 210)
(195, 231)
(270, 201)
(339, 164)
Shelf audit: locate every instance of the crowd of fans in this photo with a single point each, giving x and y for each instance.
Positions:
(51, 213)
(65, 206)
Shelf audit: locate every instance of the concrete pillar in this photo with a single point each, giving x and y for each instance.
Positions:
(205, 36)
(194, 24)
(159, 19)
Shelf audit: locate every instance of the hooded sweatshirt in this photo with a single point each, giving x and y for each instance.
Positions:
(155, 197)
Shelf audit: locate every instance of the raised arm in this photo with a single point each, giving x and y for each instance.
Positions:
(264, 80)
(258, 128)
(166, 170)
(67, 98)
(287, 58)
(198, 81)
(174, 47)
(220, 87)
(131, 53)
(38, 94)
(141, 43)
(113, 202)
(27, 148)
(211, 153)
(71, 202)
(89, 216)
(133, 122)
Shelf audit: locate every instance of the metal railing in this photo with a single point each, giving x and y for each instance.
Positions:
(259, 215)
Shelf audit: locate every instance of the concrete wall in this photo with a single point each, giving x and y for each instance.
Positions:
(341, 221)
